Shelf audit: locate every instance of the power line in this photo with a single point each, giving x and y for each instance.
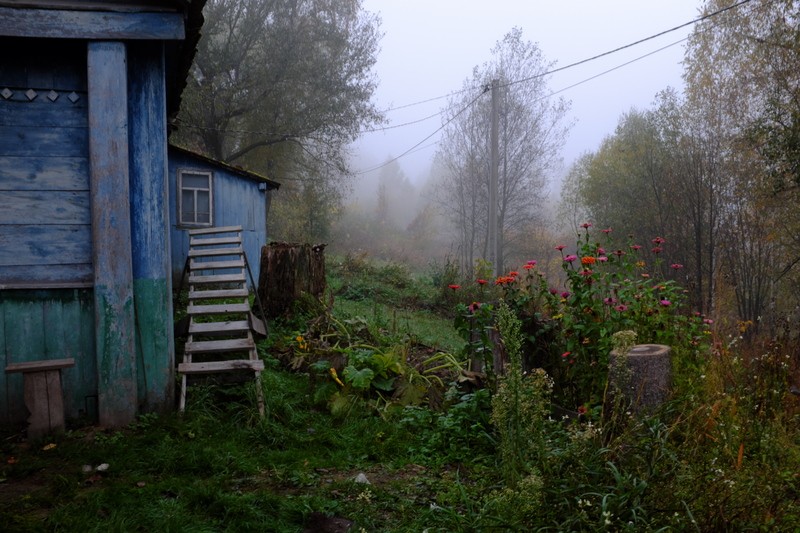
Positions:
(440, 128)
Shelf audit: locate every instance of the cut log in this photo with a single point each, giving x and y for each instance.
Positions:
(642, 376)
(287, 271)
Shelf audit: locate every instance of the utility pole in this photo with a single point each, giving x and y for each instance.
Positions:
(494, 163)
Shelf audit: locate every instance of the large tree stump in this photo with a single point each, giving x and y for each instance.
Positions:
(642, 376)
(287, 271)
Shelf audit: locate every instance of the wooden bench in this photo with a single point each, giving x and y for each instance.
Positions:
(42, 394)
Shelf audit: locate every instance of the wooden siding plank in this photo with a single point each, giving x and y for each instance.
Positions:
(45, 207)
(42, 141)
(44, 173)
(45, 245)
(41, 112)
(111, 227)
(46, 276)
(150, 225)
(53, 23)
(227, 345)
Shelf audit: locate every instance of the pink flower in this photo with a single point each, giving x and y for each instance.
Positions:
(708, 321)
(621, 308)
(676, 266)
(619, 253)
(553, 291)
(532, 262)
(474, 306)
(665, 303)
(565, 354)
(565, 294)
(600, 251)
(635, 247)
(586, 272)
(657, 250)
(602, 259)
(570, 258)
(560, 247)
(606, 231)
(658, 241)
(586, 225)
(609, 301)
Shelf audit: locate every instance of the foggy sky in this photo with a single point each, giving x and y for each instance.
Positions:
(431, 46)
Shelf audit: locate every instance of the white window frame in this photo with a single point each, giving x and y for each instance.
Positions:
(181, 188)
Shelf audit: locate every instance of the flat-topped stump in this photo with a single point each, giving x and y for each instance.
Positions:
(643, 377)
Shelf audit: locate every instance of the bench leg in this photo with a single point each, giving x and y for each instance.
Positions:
(43, 398)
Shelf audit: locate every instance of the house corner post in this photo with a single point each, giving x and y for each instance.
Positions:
(152, 283)
(111, 233)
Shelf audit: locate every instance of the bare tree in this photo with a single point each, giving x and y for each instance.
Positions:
(531, 130)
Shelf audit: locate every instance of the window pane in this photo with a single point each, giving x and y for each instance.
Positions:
(187, 207)
(203, 207)
(195, 181)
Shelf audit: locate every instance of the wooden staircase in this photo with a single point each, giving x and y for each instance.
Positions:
(220, 336)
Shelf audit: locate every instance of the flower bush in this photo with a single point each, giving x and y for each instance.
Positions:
(606, 287)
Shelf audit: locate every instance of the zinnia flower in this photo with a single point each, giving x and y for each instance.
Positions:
(565, 354)
(513, 273)
(636, 247)
(609, 301)
(586, 272)
(565, 294)
(602, 259)
(586, 225)
(454, 286)
(560, 247)
(665, 303)
(658, 241)
(480, 281)
(621, 308)
(676, 266)
(657, 250)
(588, 260)
(570, 258)
(532, 262)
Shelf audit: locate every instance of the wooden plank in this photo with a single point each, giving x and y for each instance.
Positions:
(42, 112)
(66, 173)
(217, 309)
(216, 367)
(224, 293)
(227, 345)
(209, 242)
(215, 252)
(45, 245)
(221, 229)
(45, 207)
(39, 141)
(213, 265)
(46, 276)
(111, 226)
(40, 366)
(221, 278)
(229, 327)
(53, 23)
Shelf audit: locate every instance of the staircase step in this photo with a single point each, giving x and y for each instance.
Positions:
(227, 345)
(212, 241)
(226, 293)
(228, 328)
(221, 229)
(215, 251)
(214, 367)
(218, 278)
(208, 265)
(218, 309)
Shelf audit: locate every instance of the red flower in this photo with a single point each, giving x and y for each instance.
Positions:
(582, 410)
(481, 281)
(513, 273)
(657, 250)
(676, 266)
(565, 354)
(635, 247)
(454, 287)
(607, 230)
(474, 306)
(527, 267)
(586, 225)
(560, 247)
(658, 241)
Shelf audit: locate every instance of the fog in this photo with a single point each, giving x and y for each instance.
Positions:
(430, 48)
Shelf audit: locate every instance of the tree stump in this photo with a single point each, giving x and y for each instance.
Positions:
(642, 376)
(287, 271)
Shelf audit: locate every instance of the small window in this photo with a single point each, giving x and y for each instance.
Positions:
(195, 198)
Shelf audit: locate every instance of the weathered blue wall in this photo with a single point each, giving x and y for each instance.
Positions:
(237, 202)
(45, 221)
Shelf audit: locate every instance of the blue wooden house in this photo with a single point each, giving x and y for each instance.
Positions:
(204, 193)
(86, 89)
